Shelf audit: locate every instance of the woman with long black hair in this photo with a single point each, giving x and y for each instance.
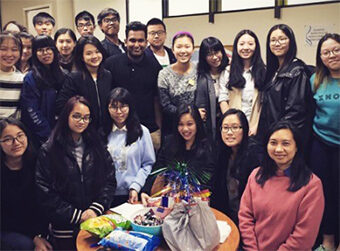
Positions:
(236, 160)
(90, 80)
(65, 41)
(75, 174)
(287, 93)
(212, 63)
(244, 79)
(130, 146)
(39, 92)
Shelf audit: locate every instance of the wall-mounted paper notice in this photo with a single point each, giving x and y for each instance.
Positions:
(313, 33)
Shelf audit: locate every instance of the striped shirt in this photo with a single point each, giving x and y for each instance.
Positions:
(10, 88)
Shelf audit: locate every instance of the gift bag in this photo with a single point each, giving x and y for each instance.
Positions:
(191, 227)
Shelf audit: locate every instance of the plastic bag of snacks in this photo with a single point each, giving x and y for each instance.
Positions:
(120, 239)
(104, 224)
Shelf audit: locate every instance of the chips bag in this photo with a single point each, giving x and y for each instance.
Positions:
(104, 224)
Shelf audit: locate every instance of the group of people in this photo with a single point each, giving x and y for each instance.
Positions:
(84, 122)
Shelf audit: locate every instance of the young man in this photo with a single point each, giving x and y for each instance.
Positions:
(85, 23)
(156, 37)
(109, 22)
(138, 74)
(43, 23)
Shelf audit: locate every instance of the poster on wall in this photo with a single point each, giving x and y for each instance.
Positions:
(313, 33)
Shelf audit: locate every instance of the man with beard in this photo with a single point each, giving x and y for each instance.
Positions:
(138, 74)
(109, 22)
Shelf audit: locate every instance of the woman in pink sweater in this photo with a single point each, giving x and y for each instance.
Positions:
(282, 205)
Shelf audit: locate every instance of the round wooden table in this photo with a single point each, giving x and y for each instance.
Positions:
(85, 239)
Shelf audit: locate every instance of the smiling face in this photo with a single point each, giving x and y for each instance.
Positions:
(45, 55)
(92, 56)
(135, 44)
(279, 43)
(9, 54)
(65, 44)
(330, 55)
(13, 148)
(282, 148)
(183, 49)
(119, 113)
(231, 131)
(79, 119)
(110, 25)
(214, 59)
(187, 128)
(246, 47)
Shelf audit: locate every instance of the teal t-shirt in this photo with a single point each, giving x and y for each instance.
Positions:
(326, 122)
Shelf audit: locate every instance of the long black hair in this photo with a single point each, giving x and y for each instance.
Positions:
(180, 147)
(133, 126)
(79, 51)
(61, 140)
(272, 60)
(299, 175)
(258, 71)
(225, 151)
(209, 45)
(50, 76)
(29, 156)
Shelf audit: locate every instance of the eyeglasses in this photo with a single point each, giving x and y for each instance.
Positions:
(124, 108)
(46, 50)
(282, 40)
(158, 33)
(326, 54)
(81, 25)
(110, 20)
(77, 117)
(233, 128)
(212, 54)
(10, 140)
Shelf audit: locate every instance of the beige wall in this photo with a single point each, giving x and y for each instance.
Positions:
(227, 25)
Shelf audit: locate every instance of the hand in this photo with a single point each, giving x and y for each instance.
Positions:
(203, 113)
(133, 196)
(87, 214)
(41, 244)
(145, 197)
(252, 131)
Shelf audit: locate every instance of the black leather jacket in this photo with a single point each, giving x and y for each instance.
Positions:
(288, 97)
(64, 203)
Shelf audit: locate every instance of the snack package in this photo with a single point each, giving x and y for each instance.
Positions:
(104, 224)
(120, 239)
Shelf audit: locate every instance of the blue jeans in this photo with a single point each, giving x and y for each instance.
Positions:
(15, 241)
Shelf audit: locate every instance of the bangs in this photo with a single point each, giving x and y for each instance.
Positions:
(42, 42)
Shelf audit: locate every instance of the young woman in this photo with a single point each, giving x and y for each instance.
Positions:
(282, 205)
(90, 80)
(324, 158)
(236, 160)
(40, 89)
(287, 93)
(75, 174)
(188, 144)
(210, 74)
(22, 224)
(65, 41)
(25, 63)
(130, 146)
(11, 79)
(177, 82)
(245, 79)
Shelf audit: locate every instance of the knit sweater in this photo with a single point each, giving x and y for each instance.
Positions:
(272, 218)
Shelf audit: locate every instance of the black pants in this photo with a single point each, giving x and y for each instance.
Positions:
(324, 162)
